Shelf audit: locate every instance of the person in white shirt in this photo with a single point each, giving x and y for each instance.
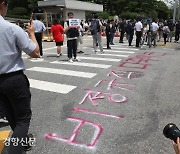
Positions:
(138, 29)
(155, 28)
(39, 29)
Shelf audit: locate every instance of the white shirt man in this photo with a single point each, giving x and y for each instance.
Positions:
(138, 26)
(155, 27)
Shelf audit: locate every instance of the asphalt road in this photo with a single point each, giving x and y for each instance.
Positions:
(112, 103)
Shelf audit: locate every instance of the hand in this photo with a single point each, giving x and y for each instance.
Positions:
(30, 28)
(177, 146)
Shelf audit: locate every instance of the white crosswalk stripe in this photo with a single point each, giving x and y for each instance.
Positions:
(101, 59)
(115, 55)
(50, 86)
(87, 61)
(82, 64)
(132, 49)
(119, 51)
(62, 72)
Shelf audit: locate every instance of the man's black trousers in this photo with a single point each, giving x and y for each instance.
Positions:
(15, 98)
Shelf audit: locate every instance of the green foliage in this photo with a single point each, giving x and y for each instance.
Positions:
(129, 15)
(122, 8)
(19, 11)
(103, 15)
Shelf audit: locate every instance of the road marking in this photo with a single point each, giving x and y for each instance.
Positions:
(63, 72)
(114, 55)
(50, 86)
(3, 136)
(117, 51)
(82, 64)
(123, 48)
(49, 48)
(102, 59)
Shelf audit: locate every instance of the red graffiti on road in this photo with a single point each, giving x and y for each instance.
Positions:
(153, 54)
(97, 113)
(140, 61)
(114, 84)
(125, 74)
(73, 136)
(97, 95)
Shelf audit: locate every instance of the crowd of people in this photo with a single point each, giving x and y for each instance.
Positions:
(146, 31)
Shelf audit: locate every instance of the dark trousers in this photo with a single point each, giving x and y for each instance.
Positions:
(72, 48)
(15, 98)
(121, 36)
(112, 38)
(108, 37)
(130, 39)
(165, 37)
(2, 114)
(39, 41)
(138, 38)
(177, 35)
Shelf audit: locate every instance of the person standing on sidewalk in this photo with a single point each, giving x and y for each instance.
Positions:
(122, 25)
(72, 33)
(57, 31)
(155, 29)
(166, 32)
(130, 32)
(177, 31)
(96, 28)
(15, 96)
(108, 34)
(139, 29)
(39, 29)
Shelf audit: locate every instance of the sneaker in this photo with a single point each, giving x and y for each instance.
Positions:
(41, 57)
(102, 51)
(59, 54)
(3, 120)
(70, 60)
(81, 51)
(75, 59)
(28, 146)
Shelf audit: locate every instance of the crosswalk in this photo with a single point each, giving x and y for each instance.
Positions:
(63, 68)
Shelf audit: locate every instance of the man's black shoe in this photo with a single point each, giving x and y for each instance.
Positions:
(28, 147)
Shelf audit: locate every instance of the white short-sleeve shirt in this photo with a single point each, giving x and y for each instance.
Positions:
(13, 41)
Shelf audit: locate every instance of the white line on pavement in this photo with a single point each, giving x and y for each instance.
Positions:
(123, 48)
(49, 48)
(50, 86)
(102, 59)
(117, 51)
(114, 55)
(82, 64)
(62, 72)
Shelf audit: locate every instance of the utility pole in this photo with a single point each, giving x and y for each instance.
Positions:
(179, 11)
(174, 14)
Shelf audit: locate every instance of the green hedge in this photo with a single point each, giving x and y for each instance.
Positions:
(19, 11)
